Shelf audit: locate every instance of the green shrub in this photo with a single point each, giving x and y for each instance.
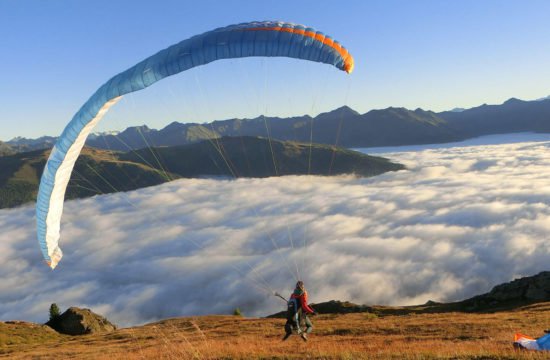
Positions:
(54, 311)
(370, 316)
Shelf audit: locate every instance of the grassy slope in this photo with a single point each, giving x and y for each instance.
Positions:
(259, 157)
(96, 172)
(100, 171)
(351, 336)
(19, 177)
(5, 149)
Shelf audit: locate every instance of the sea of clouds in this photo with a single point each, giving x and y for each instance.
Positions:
(457, 222)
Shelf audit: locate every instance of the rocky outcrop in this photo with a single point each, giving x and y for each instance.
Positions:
(333, 307)
(535, 288)
(519, 292)
(340, 307)
(76, 321)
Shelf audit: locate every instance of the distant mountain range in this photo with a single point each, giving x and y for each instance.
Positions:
(343, 126)
(21, 144)
(103, 171)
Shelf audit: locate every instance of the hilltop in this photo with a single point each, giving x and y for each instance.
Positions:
(102, 171)
(346, 336)
(379, 333)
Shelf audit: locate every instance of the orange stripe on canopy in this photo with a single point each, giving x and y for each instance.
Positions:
(348, 59)
(518, 336)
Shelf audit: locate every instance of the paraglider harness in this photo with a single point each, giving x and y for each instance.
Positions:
(293, 315)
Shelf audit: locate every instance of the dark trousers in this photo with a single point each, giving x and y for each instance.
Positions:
(302, 320)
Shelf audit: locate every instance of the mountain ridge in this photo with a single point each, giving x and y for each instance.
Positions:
(343, 126)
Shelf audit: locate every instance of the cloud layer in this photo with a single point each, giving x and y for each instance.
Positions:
(457, 222)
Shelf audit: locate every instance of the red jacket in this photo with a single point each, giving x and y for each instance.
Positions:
(303, 302)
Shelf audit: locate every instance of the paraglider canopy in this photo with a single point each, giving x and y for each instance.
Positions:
(265, 38)
(527, 342)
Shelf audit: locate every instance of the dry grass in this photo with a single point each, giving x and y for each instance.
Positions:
(351, 336)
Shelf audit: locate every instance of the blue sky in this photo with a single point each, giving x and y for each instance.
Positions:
(430, 54)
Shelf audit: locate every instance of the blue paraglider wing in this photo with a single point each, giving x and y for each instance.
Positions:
(268, 38)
